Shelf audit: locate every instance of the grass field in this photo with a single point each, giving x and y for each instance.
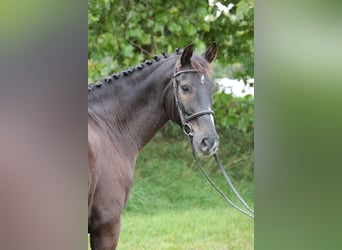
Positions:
(172, 206)
(199, 229)
(194, 229)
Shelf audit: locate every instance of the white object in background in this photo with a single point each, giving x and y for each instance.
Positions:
(236, 87)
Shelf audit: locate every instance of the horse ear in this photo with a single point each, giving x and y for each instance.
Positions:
(187, 54)
(211, 52)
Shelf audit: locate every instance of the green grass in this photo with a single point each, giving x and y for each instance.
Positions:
(194, 229)
(220, 228)
(172, 206)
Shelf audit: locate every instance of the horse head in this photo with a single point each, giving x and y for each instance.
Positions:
(193, 91)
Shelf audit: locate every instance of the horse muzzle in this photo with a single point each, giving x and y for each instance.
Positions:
(206, 146)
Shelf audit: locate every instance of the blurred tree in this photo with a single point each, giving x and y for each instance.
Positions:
(123, 33)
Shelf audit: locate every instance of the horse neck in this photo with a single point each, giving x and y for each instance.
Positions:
(133, 107)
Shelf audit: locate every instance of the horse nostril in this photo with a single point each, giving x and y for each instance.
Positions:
(208, 145)
(205, 145)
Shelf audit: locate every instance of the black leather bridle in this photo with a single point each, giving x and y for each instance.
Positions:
(187, 129)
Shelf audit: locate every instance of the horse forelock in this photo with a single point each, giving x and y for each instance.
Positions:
(201, 65)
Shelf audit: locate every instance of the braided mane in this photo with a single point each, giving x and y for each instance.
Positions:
(201, 66)
(129, 71)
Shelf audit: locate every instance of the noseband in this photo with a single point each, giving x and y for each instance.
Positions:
(185, 119)
(189, 133)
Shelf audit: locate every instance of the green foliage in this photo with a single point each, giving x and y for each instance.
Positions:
(234, 31)
(234, 113)
(123, 33)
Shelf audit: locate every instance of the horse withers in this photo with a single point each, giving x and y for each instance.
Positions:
(125, 111)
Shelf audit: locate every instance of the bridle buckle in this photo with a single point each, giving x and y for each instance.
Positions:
(187, 129)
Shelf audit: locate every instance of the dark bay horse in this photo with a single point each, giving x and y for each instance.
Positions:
(125, 111)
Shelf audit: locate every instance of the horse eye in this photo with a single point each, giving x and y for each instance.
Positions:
(185, 88)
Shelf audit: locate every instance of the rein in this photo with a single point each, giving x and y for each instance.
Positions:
(188, 131)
